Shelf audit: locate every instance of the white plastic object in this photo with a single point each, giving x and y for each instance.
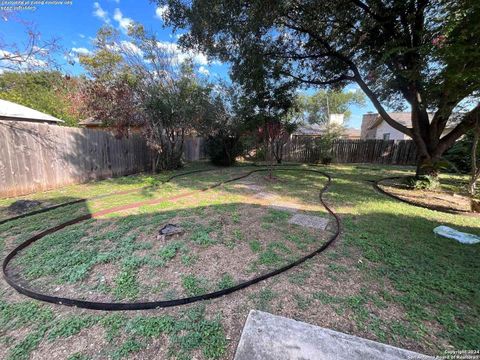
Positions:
(464, 238)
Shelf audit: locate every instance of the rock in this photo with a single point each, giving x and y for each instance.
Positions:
(21, 206)
(169, 230)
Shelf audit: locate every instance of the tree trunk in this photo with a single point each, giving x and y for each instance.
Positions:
(426, 165)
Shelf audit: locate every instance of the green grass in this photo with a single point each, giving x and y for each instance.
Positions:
(432, 282)
(194, 285)
(71, 326)
(255, 246)
(226, 281)
(263, 299)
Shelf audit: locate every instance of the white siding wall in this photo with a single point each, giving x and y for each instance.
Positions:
(384, 128)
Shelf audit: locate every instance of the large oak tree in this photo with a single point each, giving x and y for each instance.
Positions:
(419, 54)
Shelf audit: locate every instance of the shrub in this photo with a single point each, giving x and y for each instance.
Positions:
(223, 150)
(422, 182)
(460, 154)
(327, 160)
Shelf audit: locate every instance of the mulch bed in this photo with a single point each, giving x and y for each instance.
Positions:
(435, 199)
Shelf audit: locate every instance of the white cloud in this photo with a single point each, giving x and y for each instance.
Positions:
(81, 36)
(203, 70)
(160, 11)
(81, 51)
(180, 55)
(100, 13)
(131, 47)
(22, 61)
(123, 22)
(73, 55)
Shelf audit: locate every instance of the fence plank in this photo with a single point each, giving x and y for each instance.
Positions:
(398, 152)
(37, 157)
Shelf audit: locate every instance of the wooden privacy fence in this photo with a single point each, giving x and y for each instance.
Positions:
(194, 149)
(395, 152)
(35, 157)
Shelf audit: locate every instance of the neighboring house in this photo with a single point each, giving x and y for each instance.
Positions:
(374, 127)
(16, 112)
(315, 130)
(91, 123)
(352, 133)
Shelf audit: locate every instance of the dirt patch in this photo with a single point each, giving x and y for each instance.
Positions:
(438, 200)
(88, 342)
(22, 206)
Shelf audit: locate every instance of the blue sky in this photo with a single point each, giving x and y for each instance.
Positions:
(75, 26)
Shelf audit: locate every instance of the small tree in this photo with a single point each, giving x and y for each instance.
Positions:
(223, 125)
(110, 94)
(144, 83)
(173, 107)
(277, 133)
(173, 99)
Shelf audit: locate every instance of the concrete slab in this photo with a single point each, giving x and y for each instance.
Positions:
(316, 222)
(270, 337)
(292, 208)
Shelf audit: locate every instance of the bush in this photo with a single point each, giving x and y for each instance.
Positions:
(327, 160)
(422, 182)
(223, 150)
(460, 154)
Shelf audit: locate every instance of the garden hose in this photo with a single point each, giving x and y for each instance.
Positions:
(113, 306)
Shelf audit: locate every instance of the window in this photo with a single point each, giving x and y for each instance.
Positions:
(386, 136)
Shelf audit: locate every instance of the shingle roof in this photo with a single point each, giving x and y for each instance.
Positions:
(91, 121)
(310, 129)
(15, 111)
(405, 118)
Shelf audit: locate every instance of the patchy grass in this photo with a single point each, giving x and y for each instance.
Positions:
(388, 278)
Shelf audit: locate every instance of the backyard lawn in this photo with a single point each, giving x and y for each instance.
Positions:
(386, 278)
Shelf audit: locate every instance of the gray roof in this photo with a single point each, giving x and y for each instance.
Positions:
(91, 121)
(13, 111)
(310, 129)
(405, 118)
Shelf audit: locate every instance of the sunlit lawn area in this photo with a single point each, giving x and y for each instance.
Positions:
(387, 278)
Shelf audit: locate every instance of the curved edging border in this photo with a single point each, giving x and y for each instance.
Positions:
(376, 185)
(124, 192)
(163, 303)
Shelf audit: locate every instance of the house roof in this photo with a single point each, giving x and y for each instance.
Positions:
(310, 129)
(352, 132)
(405, 118)
(12, 111)
(91, 121)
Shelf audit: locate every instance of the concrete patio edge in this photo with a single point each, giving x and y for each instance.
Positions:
(270, 337)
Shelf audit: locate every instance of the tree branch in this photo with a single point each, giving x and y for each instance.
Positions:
(381, 110)
(466, 124)
(319, 82)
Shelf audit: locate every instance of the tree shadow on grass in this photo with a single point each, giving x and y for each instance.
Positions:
(69, 260)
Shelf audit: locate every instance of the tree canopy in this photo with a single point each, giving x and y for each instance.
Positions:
(318, 106)
(46, 91)
(419, 54)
